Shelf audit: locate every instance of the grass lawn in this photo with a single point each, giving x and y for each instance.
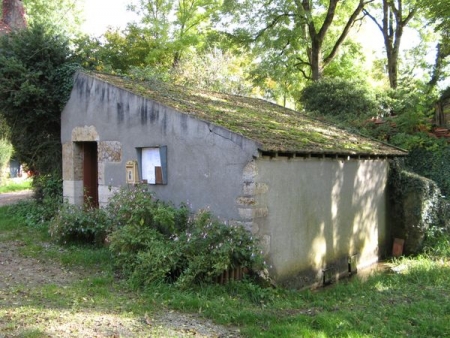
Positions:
(413, 302)
(11, 185)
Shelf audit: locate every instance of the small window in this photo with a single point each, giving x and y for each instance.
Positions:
(154, 165)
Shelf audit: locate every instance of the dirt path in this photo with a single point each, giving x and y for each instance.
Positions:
(21, 278)
(28, 309)
(13, 197)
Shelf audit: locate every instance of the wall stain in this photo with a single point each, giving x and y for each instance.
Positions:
(184, 119)
(120, 112)
(144, 112)
(154, 113)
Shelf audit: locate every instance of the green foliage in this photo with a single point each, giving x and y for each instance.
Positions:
(47, 186)
(46, 203)
(118, 51)
(36, 71)
(77, 224)
(138, 207)
(152, 241)
(5, 155)
(416, 206)
(340, 99)
(174, 27)
(182, 250)
(210, 247)
(437, 242)
(214, 69)
(63, 16)
(433, 163)
(197, 255)
(11, 185)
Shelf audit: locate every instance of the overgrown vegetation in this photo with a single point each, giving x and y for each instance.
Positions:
(36, 69)
(340, 99)
(152, 241)
(406, 297)
(5, 154)
(417, 207)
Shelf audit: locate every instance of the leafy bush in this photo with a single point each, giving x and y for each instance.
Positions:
(210, 247)
(132, 206)
(5, 155)
(199, 254)
(153, 241)
(437, 243)
(339, 98)
(45, 205)
(433, 163)
(78, 224)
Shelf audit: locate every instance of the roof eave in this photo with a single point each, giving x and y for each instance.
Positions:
(330, 154)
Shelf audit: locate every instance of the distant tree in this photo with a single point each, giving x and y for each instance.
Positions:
(438, 13)
(64, 16)
(36, 71)
(395, 16)
(118, 50)
(174, 26)
(304, 35)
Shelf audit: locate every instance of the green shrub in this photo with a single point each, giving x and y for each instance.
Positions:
(210, 247)
(437, 243)
(47, 186)
(137, 205)
(143, 254)
(416, 207)
(80, 225)
(152, 241)
(46, 204)
(338, 97)
(197, 255)
(433, 163)
(5, 154)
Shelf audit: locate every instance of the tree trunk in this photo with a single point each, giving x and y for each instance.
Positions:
(315, 59)
(392, 25)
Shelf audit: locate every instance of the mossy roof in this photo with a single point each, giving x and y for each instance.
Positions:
(275, 128)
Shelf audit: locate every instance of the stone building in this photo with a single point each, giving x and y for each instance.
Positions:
(314, 195)
(13, 16)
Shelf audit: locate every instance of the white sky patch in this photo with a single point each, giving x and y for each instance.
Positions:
(101, 14)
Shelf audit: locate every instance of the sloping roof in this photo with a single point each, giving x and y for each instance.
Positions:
(277, 129)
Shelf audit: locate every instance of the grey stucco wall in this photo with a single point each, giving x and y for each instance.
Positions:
(309, 214)
(205, 163)
(320, 212)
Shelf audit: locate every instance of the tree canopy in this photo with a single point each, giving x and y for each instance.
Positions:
(36, 70)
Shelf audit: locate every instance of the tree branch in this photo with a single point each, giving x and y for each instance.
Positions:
(345, 32)
(366, 12)
(272, 24)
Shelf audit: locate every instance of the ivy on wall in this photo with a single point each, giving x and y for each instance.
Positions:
(432, 163)
(416, 206)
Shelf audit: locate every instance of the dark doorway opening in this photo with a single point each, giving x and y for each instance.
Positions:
(90, 174)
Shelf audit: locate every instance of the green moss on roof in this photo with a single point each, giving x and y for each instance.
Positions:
(274, 127)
